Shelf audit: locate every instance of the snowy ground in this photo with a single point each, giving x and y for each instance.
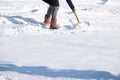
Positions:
(31, 51)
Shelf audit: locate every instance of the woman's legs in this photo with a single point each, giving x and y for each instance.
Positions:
(52, 11)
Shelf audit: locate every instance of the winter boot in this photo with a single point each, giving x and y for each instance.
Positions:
(53, 24)
(47, 20)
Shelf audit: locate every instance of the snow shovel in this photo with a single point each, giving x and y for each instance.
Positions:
(76, 16)
(85, 22)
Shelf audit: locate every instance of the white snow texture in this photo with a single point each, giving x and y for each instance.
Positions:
(88, 50)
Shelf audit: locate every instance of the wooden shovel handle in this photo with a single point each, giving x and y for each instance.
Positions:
(76, 17)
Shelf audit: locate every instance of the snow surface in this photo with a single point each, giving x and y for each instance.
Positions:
(88, 50)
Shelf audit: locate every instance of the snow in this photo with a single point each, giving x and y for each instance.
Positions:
(76, 51)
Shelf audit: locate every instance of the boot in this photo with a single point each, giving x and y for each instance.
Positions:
(47, 20)
(53, 24)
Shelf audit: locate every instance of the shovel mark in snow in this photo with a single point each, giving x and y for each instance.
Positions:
(34, 10)
(86, 22)
(75, 25)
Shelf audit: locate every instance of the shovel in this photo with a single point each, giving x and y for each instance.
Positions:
(85, 22)
(76, 16)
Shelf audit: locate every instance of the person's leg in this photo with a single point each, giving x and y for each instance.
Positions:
(49, 11)
(54, 12)
(54, 17)
(47, 16)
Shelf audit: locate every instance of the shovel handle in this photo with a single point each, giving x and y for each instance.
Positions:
(76, 17)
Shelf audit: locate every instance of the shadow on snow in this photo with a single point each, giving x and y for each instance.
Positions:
(17, 20)
(54, 73)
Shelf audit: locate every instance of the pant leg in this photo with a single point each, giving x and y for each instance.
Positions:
(54, 12)
(50, 10)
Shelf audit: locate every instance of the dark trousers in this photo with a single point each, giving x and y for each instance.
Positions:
(52, 11)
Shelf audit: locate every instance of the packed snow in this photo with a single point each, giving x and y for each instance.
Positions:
(88, 50)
